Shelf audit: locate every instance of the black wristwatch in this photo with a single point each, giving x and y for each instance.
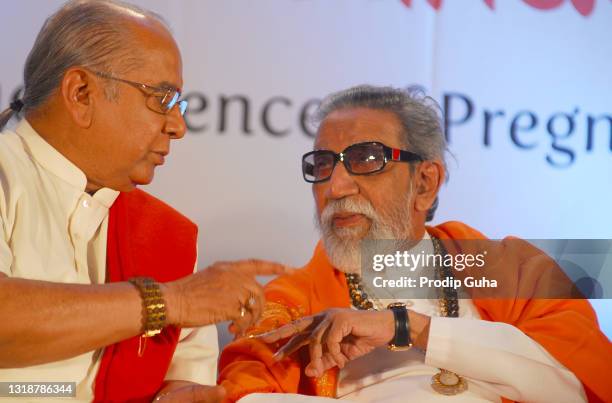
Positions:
(401, 341)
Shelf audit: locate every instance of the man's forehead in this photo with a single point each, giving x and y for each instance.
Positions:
(347, 126)
(160, 53)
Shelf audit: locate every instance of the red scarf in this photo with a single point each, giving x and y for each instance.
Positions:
(145, 238)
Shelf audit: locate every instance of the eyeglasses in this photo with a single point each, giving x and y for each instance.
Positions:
(159, 99)
(358, 159)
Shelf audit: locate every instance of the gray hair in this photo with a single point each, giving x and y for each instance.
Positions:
(419, 116)
(88, 33)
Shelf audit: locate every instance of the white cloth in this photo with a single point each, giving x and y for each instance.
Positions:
(283, 398)
(51, 230)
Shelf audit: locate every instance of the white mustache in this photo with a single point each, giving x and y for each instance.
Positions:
(347, 205)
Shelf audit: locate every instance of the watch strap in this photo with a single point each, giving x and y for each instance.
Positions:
(401, 339)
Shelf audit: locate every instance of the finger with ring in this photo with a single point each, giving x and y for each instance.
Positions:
(251, 301)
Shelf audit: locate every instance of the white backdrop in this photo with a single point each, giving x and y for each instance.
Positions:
(526, 83)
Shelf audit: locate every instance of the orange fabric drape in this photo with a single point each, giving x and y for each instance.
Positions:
(567, 329)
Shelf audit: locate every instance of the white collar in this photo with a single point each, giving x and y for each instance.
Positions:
(56, 163)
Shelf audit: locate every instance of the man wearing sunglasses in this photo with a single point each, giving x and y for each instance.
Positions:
(97, 289)
(376, 169)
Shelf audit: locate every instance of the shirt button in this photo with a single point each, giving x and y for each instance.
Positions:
(85, 203)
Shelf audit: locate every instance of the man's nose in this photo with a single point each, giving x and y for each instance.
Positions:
(175, 126)
(341, 183)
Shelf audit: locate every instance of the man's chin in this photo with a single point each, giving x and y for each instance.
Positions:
(343, 253)
(142, 179)
(348, 234)
(345, 263)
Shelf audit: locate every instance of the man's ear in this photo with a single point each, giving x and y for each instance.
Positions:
(78, 92)
(428, 179)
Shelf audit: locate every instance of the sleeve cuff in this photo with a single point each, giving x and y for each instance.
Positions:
(195, 358)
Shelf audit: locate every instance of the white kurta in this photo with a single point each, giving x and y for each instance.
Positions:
(51, 230)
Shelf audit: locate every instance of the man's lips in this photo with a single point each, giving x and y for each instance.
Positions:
(347, 219)
(159, 158)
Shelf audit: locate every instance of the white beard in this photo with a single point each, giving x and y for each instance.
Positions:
(343, 245)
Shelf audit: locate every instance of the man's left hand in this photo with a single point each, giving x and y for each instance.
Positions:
(334, 336)
(338, 335)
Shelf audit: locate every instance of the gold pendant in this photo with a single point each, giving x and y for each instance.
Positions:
(448, 383)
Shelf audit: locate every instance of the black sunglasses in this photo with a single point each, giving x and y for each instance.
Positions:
(358, 159)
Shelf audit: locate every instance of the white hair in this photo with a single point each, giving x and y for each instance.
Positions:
(88, 33)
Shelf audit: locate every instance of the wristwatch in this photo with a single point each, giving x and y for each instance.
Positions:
(401, 340)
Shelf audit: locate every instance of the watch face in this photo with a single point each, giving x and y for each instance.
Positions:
(396, 305)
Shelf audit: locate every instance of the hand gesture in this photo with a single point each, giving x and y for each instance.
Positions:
(224, 291)
(334, 336)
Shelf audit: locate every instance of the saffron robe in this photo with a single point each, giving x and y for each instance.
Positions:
(567, 329)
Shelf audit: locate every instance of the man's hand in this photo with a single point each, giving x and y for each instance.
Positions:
(221, 292)
(336, 336)
(187, 392)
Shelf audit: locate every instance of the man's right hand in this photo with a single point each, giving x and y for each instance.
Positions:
(225, 291)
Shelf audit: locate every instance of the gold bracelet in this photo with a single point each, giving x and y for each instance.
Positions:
(153, 305)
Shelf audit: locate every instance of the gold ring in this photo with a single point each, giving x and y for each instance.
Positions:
(295, 325)
(242, 311)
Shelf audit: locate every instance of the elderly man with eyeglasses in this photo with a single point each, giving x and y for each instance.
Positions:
(98, 293)
(376, 168)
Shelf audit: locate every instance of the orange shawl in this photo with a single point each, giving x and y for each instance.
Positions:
(567, 329)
